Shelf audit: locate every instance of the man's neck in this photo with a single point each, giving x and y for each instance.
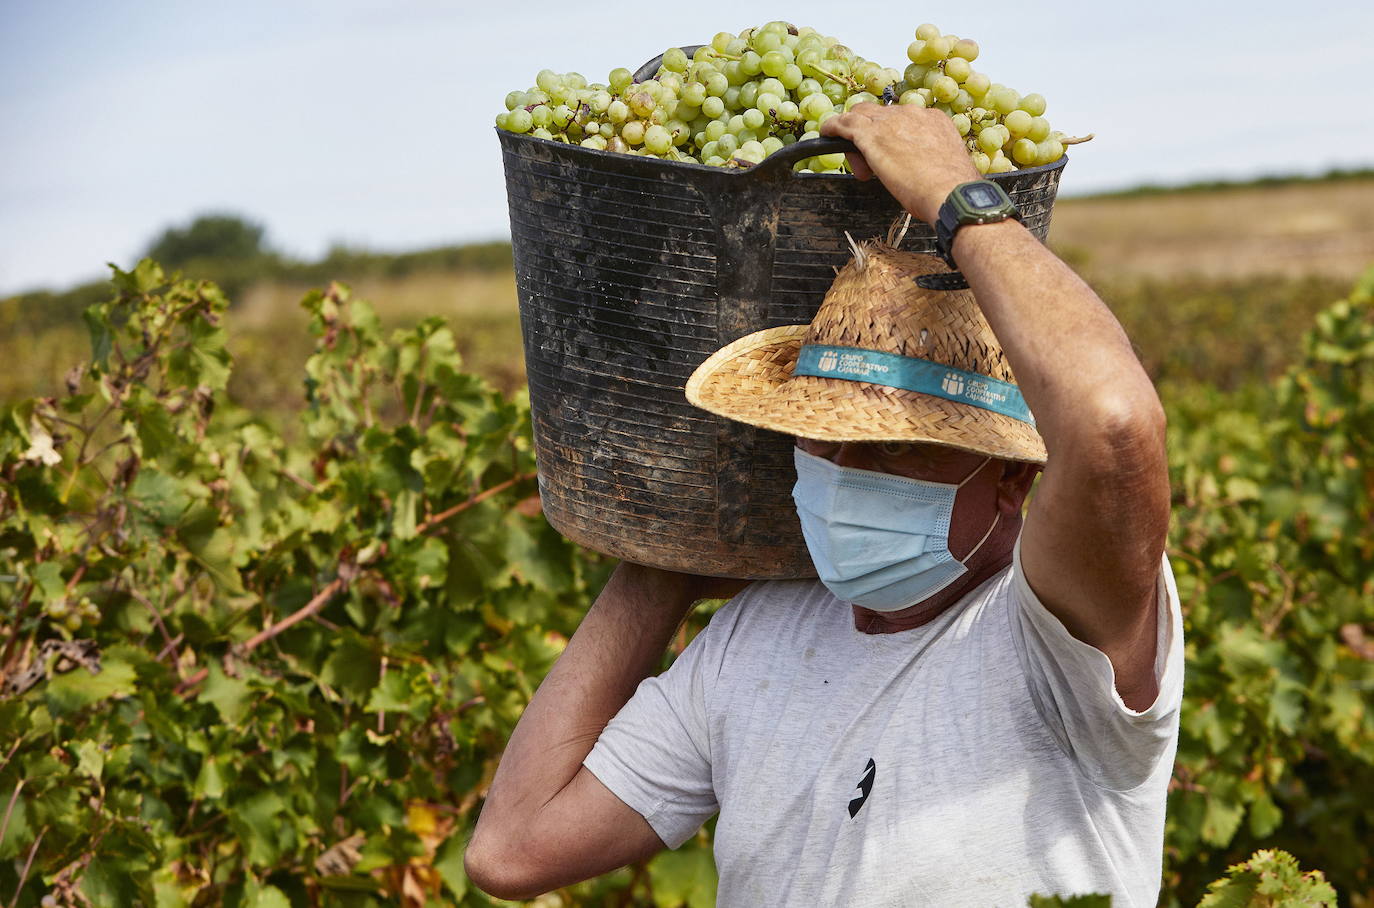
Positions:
(867, 621)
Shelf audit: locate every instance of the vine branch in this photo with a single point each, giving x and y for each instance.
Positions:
(480, 497)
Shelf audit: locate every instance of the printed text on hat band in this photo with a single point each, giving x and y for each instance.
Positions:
(911, 374)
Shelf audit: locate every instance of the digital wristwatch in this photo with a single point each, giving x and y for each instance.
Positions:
(975, 202)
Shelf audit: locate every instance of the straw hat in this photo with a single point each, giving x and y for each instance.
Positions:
(878, 323)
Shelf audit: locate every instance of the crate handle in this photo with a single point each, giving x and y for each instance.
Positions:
(786, 156)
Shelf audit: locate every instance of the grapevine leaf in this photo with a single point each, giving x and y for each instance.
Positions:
(1265, 816)
(145, 277)
(211, 781)
(18, 834)
(448, 861)
(108, 882)
(90, 758)
(352, 667)
(258, 820)
(1221, 820)
(685, 876)
(266, 897)
(230, 696)
(79, 688)
(102, 340)
(163, 497)
(153, 424)
(48, 578)
(212, 546)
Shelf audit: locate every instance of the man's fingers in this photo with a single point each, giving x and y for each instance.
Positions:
(858, 165)
(843, 127)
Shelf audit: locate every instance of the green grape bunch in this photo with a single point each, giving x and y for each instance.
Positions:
(72, 615)
(742, 97)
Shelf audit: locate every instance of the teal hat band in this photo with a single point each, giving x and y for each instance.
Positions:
(912, 374)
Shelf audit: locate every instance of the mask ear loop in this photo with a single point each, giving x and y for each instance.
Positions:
(976, 470)
(996, 517)
(974, 550)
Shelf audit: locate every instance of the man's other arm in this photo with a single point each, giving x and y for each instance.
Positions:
(547, 821)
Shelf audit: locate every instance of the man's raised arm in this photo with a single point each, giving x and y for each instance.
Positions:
(1096, 527)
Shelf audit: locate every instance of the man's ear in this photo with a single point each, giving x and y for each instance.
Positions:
(1015, 485)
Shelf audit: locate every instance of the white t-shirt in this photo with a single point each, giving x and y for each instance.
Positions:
(975, 760)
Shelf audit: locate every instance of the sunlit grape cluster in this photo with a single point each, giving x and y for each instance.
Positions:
(742, 97)
(72, 615)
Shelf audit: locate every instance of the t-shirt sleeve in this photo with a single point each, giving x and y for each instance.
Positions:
(655, 754)
(1074, 688)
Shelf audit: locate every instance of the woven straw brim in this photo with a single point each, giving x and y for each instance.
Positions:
(751, 381)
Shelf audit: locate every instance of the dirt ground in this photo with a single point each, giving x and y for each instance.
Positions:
(1308, 229)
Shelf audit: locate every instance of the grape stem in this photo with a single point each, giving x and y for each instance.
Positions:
(1076, 140)
(853, 86)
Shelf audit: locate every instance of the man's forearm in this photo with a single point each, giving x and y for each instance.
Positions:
(618, 644)
(1070, 355)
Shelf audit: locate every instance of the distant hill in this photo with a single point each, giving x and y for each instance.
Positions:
(1334, 175)
(45, 308)
(1289, 224)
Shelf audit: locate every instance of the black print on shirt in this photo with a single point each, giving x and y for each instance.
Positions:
(865, 786)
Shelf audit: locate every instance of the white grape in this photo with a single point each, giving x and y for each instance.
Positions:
(977, 84)
(1018, 122)
(958, 69)
(1033, 104)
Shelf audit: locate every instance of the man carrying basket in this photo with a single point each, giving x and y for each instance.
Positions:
(971, 705)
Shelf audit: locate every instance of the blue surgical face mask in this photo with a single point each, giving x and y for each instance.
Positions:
(877, 540)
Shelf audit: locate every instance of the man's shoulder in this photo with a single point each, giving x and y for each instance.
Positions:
(769, 592)
(769, 611)
(767, 601)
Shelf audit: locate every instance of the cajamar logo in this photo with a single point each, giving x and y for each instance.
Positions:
(827, 361)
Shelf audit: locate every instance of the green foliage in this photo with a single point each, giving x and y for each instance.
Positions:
(242, 672)
(1270, 879)
(685, 877)
(1091, 900)
(1272, 546)
(240, 669)
(1226, 334)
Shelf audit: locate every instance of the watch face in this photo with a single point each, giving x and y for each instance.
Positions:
(982, 195)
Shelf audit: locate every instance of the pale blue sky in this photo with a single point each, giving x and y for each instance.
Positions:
(371, 123)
